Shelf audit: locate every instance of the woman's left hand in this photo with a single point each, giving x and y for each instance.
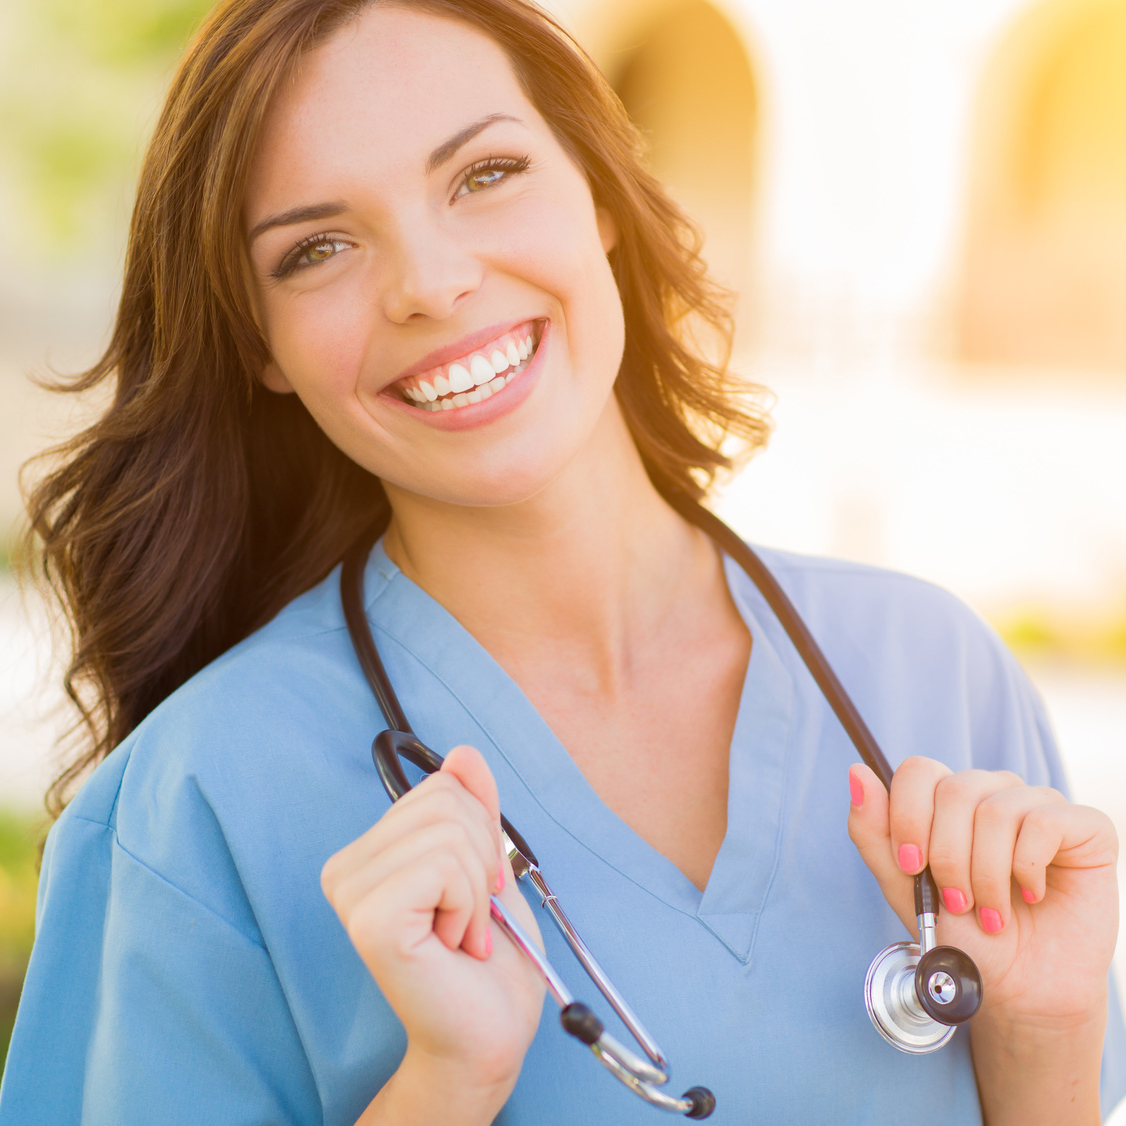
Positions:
(1029, 892)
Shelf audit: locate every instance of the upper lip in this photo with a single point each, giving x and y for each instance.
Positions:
(463, 347)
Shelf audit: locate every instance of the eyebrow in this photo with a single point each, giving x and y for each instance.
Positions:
(298, 215)
(443, 153)
(446, 150)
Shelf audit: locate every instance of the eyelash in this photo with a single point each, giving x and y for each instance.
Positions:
(512, 166)
(292, 261)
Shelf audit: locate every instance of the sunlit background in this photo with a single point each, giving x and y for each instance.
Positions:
(922, 207)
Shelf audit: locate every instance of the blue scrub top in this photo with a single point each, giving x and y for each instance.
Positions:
(188, 969)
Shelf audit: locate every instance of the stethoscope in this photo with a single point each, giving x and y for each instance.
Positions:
(915, 993)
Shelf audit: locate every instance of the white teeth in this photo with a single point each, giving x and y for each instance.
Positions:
(482, 379)
(460, 379)
(481, 370)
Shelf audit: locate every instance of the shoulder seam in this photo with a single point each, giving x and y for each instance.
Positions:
(176, 887)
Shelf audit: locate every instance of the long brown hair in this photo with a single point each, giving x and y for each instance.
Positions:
(201, 503)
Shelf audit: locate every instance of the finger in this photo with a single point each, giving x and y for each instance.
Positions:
(437, 800)
(957, 797)
(869, 828)
(1067, 836)
(468, 765)
(912, 809)
(997, 823)
(462, 914)
(451, 835)
(397, 917)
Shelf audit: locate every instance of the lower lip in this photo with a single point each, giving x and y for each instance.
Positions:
(496, 406)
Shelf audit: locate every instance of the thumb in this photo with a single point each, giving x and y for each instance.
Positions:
(869, 826)
(469, 767)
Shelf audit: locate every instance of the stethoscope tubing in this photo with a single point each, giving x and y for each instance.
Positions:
(400, 740)
(926, 890)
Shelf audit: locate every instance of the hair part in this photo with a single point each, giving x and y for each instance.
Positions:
(200, 503)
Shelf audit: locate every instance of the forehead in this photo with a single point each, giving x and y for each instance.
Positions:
(382, 91)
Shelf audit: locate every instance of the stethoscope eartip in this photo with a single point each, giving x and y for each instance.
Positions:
(702, 1100)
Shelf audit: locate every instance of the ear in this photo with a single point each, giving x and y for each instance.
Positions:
(273, 379)
(607, 229)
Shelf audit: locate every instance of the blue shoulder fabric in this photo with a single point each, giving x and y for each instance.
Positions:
(142, 1005)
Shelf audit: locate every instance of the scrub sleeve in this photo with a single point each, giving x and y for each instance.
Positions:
(187, 968)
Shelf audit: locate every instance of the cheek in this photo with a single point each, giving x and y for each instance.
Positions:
(318, 339)
(555, 246)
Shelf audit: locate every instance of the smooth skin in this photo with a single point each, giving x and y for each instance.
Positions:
(412, 255)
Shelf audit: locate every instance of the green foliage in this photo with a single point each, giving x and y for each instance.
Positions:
(125, 33)
(80, 83)
(19, 837)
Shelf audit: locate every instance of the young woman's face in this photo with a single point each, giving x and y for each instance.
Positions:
(414, 228)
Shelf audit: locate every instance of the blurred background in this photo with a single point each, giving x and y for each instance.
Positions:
(922, 207)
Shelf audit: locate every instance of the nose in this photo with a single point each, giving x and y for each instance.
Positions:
(431, 273)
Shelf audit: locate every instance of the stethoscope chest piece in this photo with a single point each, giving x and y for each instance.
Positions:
(893, 1003)
(917, 1000)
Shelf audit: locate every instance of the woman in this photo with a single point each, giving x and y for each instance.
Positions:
(420, 189)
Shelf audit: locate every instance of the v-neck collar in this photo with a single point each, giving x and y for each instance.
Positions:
(732, 901)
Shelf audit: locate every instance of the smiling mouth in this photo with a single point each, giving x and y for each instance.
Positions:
(475, 377)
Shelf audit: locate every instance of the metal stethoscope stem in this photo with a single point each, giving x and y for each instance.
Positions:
(915, 994)
(642, 1077)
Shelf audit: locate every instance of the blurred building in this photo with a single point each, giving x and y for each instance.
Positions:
(920, 203)
(922, 206)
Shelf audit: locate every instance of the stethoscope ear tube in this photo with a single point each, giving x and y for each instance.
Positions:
(386, 750)
(914, 993)
(968, 987)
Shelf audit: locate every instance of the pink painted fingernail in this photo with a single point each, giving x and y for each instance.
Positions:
(855, 790)
(1029, 896)
(991, 920)
(488, 943)
(499, 885)
(910, 858)
(955, 901)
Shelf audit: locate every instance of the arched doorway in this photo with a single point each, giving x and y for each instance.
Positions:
(1045, 268)
(687, 82)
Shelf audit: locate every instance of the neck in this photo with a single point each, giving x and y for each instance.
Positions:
(590, 564)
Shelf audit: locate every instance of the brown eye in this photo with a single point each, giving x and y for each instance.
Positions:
(310, 252)
(319, 251)
(489, 173)
(484, 179)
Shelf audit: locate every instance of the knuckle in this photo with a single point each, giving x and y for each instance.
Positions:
(945, 861)
(963, 785)
(917, 767)
(991, 812)
(990, 888)
(447, 865)
(330, 876)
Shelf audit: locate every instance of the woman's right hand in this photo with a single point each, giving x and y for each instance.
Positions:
(413, 895)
